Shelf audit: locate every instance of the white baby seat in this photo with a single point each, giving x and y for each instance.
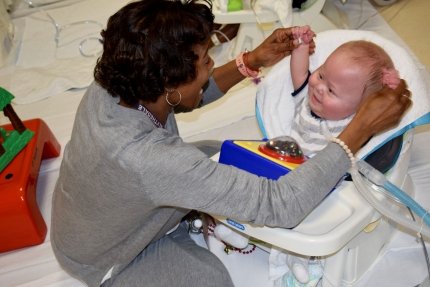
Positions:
(257, 22)
(344, 229)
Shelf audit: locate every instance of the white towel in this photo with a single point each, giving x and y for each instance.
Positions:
(275, 105)
(282, 8)
(34, 84)
(44, 70)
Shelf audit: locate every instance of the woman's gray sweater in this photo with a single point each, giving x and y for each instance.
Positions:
(124, 183)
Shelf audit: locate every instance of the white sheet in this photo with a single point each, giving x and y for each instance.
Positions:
(41, 68)
(36, 266)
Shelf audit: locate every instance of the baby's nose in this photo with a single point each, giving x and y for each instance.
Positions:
(320, 89)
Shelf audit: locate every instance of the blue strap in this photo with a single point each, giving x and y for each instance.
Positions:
(260, 121)
(423, 120)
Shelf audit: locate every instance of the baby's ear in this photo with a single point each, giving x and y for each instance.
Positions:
(390, 77)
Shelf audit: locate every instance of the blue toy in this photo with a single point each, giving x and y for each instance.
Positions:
(270, 159)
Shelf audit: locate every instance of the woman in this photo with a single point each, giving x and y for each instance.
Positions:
(127, 178)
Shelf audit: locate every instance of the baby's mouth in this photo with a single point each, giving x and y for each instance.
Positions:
(315, 98)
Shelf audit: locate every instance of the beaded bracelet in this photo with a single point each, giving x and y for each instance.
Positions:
(228, 248)
(245, 61)
(243, 68)
(343, 145)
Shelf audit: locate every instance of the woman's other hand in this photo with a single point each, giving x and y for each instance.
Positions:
(377, 113)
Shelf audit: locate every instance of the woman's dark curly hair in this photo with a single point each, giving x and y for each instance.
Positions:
(148, 46)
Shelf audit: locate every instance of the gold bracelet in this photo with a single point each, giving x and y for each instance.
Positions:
(343, 145)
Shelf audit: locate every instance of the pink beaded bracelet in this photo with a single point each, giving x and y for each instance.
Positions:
(243, 69)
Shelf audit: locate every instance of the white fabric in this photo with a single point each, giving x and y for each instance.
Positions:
(34, 84)
(42, 69)
(277, 264)
(282, 8)
(9, 3)
(311, 133)
(276, 107)
(6, 32)
(221, 5)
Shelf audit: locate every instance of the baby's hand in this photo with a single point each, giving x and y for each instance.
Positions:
(304, 34)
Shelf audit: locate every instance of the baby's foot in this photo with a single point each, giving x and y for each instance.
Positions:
(299, 267)
(301, 273)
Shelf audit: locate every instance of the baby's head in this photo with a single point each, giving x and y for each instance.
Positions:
(351, 73)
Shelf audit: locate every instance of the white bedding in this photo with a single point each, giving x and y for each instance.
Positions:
(37, 267)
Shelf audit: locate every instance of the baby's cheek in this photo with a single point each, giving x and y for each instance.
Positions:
(331, 109)
(312, 78)
(341, 111)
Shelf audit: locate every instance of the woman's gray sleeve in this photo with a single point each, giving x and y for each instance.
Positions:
(223, 190)
(302, 190)
(211, 93)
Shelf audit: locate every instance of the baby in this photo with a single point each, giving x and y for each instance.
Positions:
(353, 71)
(327, 99)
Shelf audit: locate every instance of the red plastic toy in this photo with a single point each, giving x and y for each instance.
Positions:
(21, 223)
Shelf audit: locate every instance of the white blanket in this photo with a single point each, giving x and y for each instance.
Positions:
(41, 68)
(275, 107)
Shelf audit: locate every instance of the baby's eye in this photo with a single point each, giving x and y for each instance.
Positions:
(331, 92)
(320, 76)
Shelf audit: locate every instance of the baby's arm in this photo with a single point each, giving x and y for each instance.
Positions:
(299, 64)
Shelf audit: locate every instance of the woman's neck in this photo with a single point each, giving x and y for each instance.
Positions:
(159, 110)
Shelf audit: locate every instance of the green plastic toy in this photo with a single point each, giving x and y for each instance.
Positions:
(11, 141)
(234, 5)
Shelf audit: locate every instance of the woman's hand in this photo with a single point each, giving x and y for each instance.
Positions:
(379, 112)
(274, 48)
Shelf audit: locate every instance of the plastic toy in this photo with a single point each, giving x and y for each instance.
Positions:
(12, 142)
(234, 5)
(23, 146)
(270, 159)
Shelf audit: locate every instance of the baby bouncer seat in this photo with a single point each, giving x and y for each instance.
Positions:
(344, 229)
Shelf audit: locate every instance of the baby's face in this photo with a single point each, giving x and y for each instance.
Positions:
(336, 87)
